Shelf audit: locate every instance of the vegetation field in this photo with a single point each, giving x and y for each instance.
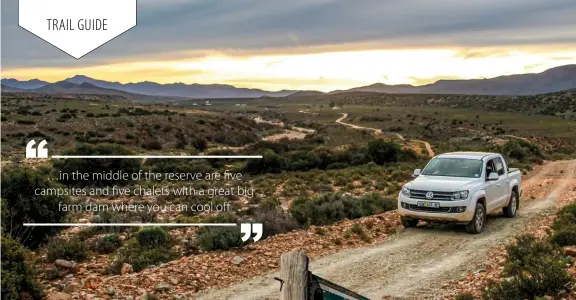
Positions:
(329, 171)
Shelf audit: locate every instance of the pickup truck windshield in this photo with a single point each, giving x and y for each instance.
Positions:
(454, 167)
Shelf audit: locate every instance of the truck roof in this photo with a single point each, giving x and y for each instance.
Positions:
(468, 155)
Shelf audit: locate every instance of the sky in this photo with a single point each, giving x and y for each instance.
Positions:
(311, 44)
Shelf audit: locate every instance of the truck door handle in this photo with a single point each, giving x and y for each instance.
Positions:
(498, 184)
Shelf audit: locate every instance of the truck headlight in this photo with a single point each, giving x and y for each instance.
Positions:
(406, 191)
(461, 195)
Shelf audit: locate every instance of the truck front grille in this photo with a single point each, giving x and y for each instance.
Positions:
(439, 196)
(430, 209)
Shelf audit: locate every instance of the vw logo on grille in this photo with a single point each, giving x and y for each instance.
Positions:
(429, 195)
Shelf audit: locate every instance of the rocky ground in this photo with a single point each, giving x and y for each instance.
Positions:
(491, 270)
(383, 261)
(184, 277)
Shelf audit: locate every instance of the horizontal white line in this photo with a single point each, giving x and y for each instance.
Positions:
(156, 156)
(130, 224)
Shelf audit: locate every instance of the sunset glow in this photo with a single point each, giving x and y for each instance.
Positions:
(325, 71)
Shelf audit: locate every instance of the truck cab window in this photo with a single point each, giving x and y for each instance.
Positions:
(490, 168)
(499, 166)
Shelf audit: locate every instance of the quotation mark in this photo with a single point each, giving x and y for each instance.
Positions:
(247, 229)
(38, 152)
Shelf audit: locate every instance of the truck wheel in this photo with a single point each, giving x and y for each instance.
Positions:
(512, 208)
(478, 221)
(406, 222)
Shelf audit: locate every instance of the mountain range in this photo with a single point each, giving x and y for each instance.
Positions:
(551, 80)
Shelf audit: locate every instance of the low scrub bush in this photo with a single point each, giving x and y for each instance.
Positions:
(381, 151)
(18, 278)
(219, 238)
(330, 208)
(534, 268)
(565, 227)
(26, 122)
(152, 145)
(566, 217)
(106, 244)
(153, 237)
(522, 151)
(275, 221)
(150, 246)
(21, 204)
(71, 249)
(464, 296)
(564, 236)
(278, 158)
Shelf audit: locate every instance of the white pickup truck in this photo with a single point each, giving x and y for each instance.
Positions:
(461, 187)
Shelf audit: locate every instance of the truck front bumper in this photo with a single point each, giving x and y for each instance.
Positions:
(461, 211)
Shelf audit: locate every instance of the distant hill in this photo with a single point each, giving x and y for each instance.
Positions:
(549, 81)
(65, 87)
(26, 85)
(306, 94)
(8, 89)
(69, 88)
(198, 91)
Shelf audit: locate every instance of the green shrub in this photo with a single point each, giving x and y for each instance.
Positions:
(381, 151)
(71, 249)
(21, 204)
(566, 217)
(269, 163)
(465, 296)
(329, 208)
(152, 237)
(357, 228)
(565, 226)
(275, 221)
(152, 145)
(92, 166)
(18, 279)
(565, 236)
(26, 122)
(200, 144)
(107, 244)
(534, 269)
(522, 151)
(141, 257)
(219, 238)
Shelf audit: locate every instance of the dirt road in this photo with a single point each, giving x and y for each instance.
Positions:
(416, 262)
(296, 133)
(380, 132)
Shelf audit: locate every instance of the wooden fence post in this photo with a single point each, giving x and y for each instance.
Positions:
(294, 273)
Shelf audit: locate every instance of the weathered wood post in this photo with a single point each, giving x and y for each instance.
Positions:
(294, 273)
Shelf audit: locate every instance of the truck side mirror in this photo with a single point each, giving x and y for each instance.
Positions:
(493, 176)
(417, 172)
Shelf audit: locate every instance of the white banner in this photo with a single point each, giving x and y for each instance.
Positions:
(77, 26)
